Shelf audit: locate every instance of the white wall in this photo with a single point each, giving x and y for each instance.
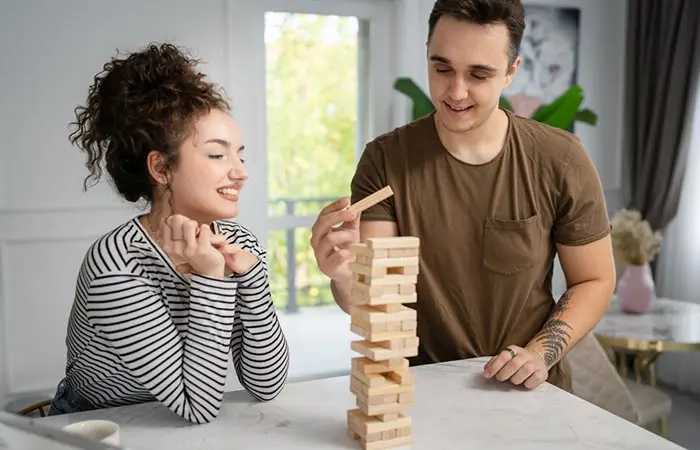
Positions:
(50, 52)
(601, 74)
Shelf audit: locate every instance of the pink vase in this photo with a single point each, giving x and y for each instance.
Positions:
(636, 290)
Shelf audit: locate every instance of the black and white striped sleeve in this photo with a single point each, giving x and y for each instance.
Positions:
(260, 351)
(186, 374)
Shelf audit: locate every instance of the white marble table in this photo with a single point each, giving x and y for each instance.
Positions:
(670, 325)
(455, 408)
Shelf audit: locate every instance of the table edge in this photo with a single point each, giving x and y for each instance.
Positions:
(645, 344)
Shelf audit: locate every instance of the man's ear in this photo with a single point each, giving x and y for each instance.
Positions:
(512, 70)
(157, 167)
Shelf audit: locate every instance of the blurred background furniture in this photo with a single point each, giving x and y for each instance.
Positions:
(637, 340)
(596, 380)
(40, 407)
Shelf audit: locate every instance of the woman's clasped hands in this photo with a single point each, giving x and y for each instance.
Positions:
(194, 248)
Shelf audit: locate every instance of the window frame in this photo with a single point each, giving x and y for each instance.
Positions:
(246, 76)
(245, 54)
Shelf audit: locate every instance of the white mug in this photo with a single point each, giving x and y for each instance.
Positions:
(97, 430)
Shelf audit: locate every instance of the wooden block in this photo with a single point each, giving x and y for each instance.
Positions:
(395, 432)
(352, 435)
(368, 254)
(374, 408)
(393, 242)
(402, 377)
(380, 328)
(390, 307)
(408, 288)
(402, 252)
(364, 425)
(385, 299)
(376, 352)
(381, 336)
(388, 417)
(367, 366)
(379, 399)
(371, 199)
(371, 379)
(394, 263)
(389, 399)
(376, 290)
(365, 326)
(393, 327)
(387, 280)
(379, 404)
(406, 397)
(369, 270)
(410, 342)
(369, 327)
(388, 444)
(408, 325)
(404, 270)
(395, 341)
(385, 399)
(365, 313)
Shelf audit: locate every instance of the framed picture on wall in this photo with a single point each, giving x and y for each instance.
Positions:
(549, 53)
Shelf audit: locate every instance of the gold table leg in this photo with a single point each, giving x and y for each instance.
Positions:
(644, 370)
(662, 426)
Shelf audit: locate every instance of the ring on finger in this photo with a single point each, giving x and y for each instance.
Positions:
(511, 351)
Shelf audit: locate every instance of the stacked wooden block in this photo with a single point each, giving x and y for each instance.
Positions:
(385, 273)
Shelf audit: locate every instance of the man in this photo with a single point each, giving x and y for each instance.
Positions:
(492, 197)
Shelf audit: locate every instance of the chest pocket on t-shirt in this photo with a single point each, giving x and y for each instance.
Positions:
(511, 246)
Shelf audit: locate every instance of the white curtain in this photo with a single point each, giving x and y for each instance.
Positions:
(678, 269)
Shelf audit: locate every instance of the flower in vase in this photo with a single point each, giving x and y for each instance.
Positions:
(633, 239)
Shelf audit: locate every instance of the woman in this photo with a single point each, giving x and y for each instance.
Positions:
(164, 300)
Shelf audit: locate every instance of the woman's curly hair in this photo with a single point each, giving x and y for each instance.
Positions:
(146, 101)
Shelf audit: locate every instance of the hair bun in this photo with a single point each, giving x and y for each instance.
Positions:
(145, 84)
(142, 102)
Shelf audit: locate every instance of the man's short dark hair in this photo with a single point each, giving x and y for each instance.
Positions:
(509, 12)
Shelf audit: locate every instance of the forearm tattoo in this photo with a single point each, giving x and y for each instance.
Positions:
(554, 335)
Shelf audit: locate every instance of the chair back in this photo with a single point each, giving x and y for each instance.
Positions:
(595, 379)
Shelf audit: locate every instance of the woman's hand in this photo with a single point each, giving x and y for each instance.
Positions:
(238, 260)
(191, 246)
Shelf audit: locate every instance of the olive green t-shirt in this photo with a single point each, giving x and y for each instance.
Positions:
(487, 232)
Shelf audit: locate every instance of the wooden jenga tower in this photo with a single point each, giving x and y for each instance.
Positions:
(385, 273)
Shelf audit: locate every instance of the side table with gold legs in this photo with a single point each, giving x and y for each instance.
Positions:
(637, 340)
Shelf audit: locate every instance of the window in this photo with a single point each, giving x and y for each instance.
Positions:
(316, 96)
(313, 82)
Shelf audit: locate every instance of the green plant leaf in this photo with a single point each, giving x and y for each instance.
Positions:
(422, 105)
(562, 112)
(587, 116)
(505, 104)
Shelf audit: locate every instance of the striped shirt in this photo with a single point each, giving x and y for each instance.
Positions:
(140, 331)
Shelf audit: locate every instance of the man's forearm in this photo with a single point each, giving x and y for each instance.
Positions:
(574, 315)
(341, 294)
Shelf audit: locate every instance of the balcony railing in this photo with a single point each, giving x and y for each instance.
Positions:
(291, 214)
